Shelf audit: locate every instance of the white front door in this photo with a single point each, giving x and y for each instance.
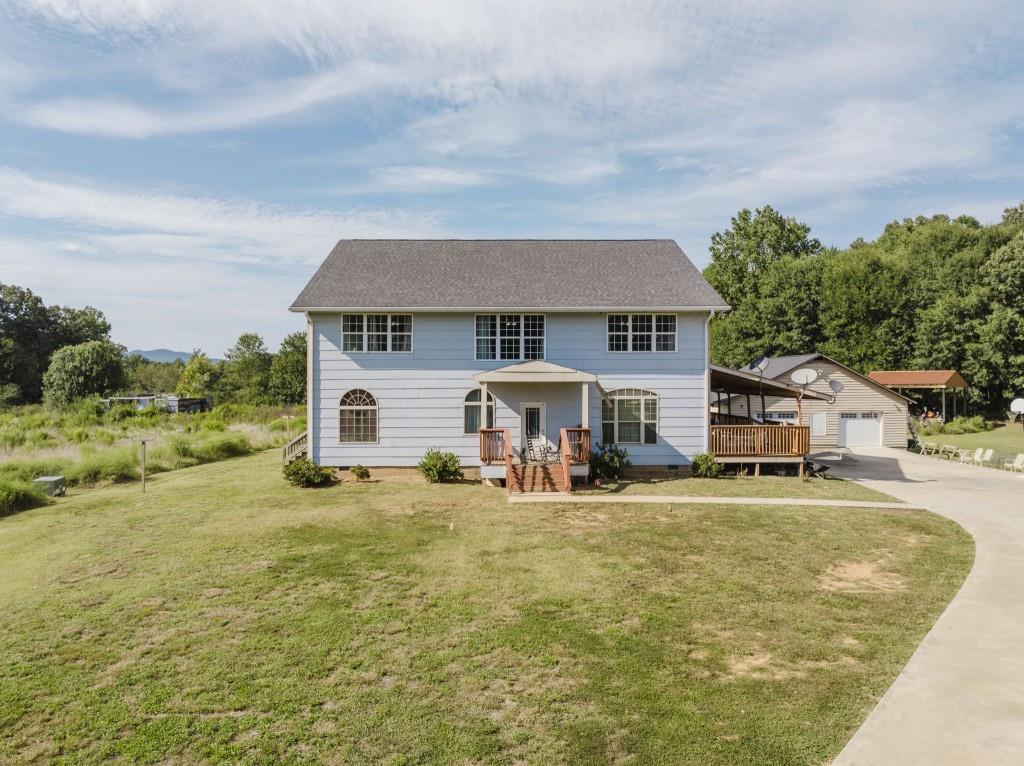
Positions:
(860, 429)
(532, 421)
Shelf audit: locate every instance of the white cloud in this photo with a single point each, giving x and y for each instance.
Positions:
(422, 178)
(226, 230)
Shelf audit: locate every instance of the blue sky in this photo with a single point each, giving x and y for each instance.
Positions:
(184, 166)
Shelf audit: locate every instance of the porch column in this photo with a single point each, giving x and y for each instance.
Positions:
(585, 402)
(483, 406)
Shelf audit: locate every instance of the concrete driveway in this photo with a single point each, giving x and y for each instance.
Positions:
(960, 699)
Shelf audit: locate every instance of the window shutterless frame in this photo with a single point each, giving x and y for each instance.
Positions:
(489, 331)
(641, 333)
(377, 333)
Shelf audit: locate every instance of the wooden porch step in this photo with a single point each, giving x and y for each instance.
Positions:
(536, 478)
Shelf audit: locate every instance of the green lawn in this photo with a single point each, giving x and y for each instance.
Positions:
(1005, 440)
(228, 617)
(746, 486)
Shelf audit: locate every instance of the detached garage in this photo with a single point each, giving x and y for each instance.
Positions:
(856, 411)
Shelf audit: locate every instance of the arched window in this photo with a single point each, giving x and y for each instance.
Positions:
(629, 416)
(358, 417)
(471, 412)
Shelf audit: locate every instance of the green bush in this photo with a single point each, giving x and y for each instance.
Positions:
(359, 472)
(437, 466)
(112, 466)
(608, 462)
(305, 473)
(19, 495)
(960, 425)
(706, 467)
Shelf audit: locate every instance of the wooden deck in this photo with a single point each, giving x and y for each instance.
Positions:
(760, 442)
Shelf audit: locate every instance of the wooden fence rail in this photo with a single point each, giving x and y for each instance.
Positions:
(760, 441)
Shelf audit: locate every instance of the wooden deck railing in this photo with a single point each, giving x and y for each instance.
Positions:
(760, 441)
(295, 449)
(495, 447)
(575, 443)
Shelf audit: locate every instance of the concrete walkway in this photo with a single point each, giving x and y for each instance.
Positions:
(960, 699)
(561, 497)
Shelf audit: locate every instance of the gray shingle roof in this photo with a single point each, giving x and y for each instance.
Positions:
(542, 274)
(780, 365)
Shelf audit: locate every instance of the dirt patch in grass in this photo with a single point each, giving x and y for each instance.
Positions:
(861, 577)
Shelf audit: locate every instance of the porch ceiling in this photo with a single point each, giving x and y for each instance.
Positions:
(535, 371)
(735, 382)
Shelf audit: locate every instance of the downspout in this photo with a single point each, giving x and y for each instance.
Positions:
(310, 441)
(707, 413)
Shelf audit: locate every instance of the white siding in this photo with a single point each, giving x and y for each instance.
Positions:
(857, 395)
(420, 394)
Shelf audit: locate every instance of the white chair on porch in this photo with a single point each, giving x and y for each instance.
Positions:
(538, 451)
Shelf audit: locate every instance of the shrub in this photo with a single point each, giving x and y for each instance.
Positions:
(19, 495)
(706, 467)
(305, 473)
(608, 462)
(960, 425)
(107, 466)
(437, 466)
(359, 472)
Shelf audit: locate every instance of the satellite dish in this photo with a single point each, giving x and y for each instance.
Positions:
(836, 386)
(760, 364)
(804, 377)
(1017, 405)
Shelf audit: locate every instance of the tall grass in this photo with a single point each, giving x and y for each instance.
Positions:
(19, 495)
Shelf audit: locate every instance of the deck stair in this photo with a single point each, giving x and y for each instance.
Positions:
(536, 477)
(296, 449)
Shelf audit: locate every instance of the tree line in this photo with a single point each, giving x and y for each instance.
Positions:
(61, 354)
(929, 293)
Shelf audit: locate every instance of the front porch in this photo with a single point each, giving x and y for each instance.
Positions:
(530, 457)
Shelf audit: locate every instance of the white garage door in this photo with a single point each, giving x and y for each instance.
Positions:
(860, 429)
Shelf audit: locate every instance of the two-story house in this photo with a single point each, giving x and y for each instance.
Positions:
(505, 348)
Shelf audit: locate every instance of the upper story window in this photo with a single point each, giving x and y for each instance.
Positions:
(376, 332)
(511, 337)
(641, 332)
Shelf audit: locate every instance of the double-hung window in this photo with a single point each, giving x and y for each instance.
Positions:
(376, 333)
(509, 337)
(641, 332)
(629, 416)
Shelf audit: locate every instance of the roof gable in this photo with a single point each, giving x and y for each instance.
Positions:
(507, 274)
(780, 365)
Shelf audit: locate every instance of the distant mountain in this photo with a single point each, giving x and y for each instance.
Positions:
(165, 355)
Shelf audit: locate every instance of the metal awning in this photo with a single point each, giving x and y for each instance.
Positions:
(732, 382)
(535, 371)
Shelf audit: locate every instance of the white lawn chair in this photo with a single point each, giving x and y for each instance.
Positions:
(1017, 464)
(985, 458)
(929, 448)
(975, 458)
(949, 451)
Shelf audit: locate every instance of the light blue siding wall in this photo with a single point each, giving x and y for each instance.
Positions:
(420, 395)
